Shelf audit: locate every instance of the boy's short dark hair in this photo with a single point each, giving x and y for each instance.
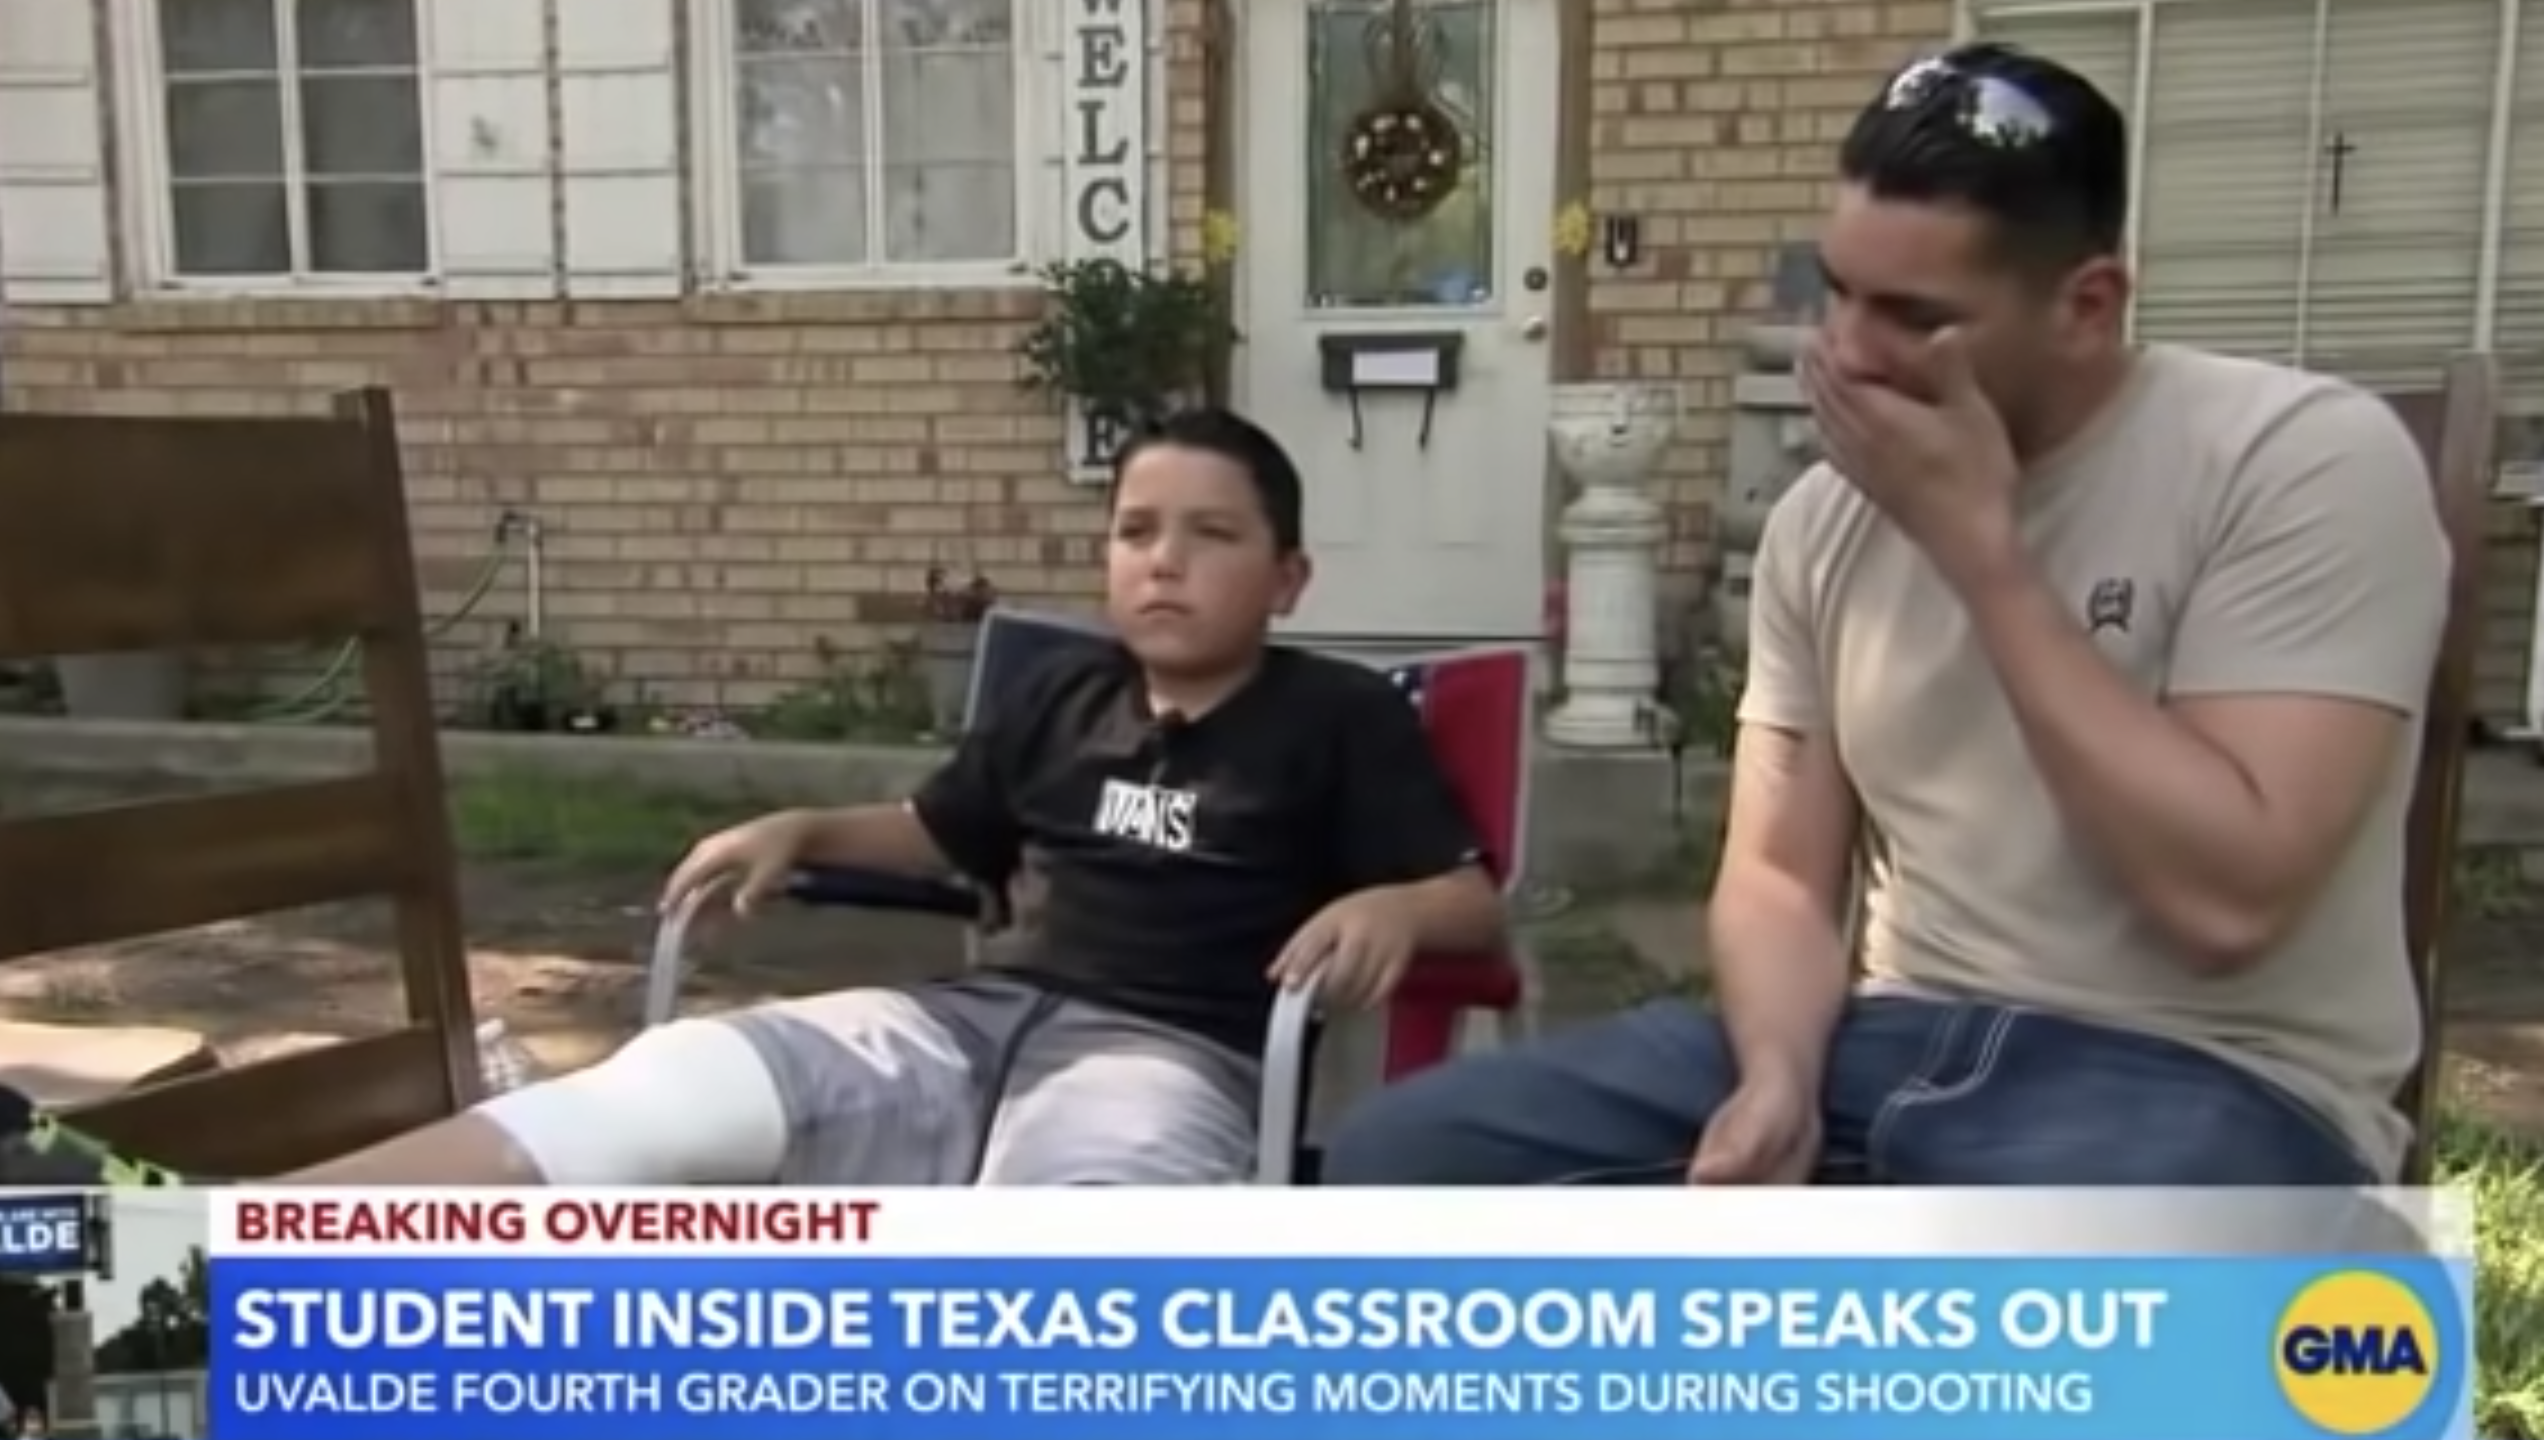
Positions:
(2024, 141)
(1222, 432)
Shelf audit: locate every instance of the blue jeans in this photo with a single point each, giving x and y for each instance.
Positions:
(1918, 1092)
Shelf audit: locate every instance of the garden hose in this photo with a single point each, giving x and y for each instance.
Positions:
(325, 696)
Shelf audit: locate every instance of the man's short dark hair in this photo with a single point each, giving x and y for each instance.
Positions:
(1232, 437)
(2057, 197)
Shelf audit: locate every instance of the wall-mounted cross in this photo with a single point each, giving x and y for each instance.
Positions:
(2340, 148)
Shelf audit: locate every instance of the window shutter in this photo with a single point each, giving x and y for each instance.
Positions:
(54, 248)
(494, 186)
(2396, 273)
(2227, 176)
(617, 62)
(2518, 310)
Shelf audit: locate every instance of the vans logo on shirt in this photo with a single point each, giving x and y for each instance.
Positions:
(1153, 815)
(2110, 605)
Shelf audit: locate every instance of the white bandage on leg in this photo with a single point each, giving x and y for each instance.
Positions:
(688, 1103)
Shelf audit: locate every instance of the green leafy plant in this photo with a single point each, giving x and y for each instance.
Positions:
(533, 684)
(877, 698)
(1123, 342)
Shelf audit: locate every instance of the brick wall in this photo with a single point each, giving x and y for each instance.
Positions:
(1717, 123)
(725, 479)
(722, 481)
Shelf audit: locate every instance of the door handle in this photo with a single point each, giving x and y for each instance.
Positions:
(1533, 328)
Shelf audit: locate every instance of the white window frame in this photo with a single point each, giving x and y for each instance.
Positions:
(717, 169)
(1971, 16)
(148, 208)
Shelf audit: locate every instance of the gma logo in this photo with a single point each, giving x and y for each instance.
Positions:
(2358, 1353)
(2354, 1350)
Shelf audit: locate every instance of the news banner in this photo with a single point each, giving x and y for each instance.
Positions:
(1247, 1314)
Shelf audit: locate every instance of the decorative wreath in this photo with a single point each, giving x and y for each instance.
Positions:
(1402, 160)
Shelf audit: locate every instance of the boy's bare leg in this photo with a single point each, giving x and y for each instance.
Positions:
(469, 1149)
(689, 1103)
(859, 1085)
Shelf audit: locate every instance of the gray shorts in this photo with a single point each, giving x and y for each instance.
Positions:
(989, 1080)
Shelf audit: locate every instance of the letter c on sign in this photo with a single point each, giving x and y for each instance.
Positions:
(1104, 210)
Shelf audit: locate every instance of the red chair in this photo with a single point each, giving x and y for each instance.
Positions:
(1476, 706)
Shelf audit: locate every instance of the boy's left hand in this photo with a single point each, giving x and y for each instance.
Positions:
(1354, 951)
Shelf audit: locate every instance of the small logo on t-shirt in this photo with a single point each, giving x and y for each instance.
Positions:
(1153, 815)
(2109, 606)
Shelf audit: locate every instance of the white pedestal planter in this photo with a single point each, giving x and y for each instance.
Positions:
(1608, 437)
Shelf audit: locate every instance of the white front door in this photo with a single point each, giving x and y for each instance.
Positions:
(1425, 511)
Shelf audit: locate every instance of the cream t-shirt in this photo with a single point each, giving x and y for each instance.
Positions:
(2226, 527)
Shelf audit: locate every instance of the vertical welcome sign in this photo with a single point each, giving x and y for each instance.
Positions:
(1104, 61)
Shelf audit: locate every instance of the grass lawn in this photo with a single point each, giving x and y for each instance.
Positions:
(2505, 1176)
(527, 817)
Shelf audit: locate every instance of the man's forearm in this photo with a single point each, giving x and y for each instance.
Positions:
(2176, 819)
(1781, 977)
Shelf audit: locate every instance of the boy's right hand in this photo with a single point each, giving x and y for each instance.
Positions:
(753, 858)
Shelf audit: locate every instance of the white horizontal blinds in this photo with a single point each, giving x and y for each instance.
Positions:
(2519, 312)
(2229, 162)
(494, 182)
(618, 78)
(2395, 280)
(54, 248)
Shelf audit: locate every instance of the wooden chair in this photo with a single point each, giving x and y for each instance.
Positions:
(123, 534)
(2458, 428)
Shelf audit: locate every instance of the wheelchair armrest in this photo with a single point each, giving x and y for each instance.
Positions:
(882, 890)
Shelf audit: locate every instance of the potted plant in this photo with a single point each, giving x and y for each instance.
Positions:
(1127, 344)
(949, 640)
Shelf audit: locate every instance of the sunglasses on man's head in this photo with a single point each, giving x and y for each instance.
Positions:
(1990, 108)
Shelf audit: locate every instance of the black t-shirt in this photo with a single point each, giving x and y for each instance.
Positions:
(1175, 860)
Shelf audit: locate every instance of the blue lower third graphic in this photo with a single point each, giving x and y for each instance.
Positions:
(1290, 1349)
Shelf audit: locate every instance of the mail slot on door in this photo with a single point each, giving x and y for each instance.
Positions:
(1390, 362)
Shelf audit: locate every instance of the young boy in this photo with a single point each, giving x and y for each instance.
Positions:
(1205, 817)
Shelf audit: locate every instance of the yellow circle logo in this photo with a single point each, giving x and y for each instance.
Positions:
(2357, 1353)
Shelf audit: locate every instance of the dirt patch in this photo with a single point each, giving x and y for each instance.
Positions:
(558, 953)
(559, 957)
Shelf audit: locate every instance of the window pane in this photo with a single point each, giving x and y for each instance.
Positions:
(765, 27)
(804, 217)
(196, 36)
(801, 112)
(947, 22)
(950, 212)
(231, 229)
(949, 132)
(350, 34)
(949, 105)
(1357, 257)
(225, 127)
(361, 125)
(367, 228)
